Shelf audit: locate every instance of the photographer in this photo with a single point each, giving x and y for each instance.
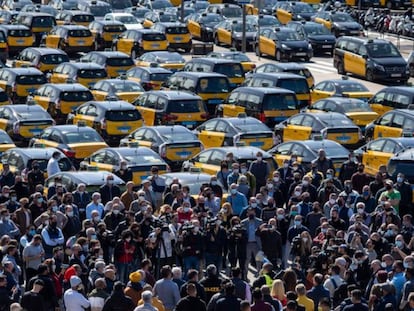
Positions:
(271, 242)
(237, 243)
(74, 297)
(192, 246)
(215, 240)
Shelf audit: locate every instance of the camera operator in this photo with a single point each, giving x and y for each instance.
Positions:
(192, 243)
(215, 240)
(237, 243)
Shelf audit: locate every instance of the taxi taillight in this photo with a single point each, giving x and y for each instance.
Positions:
(262, 117)
(169, 117)
(204, 115)
(69, 153)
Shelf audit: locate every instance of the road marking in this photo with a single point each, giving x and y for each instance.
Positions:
(321, 67)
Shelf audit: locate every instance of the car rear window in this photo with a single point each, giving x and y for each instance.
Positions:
(213, 85)
(230, 70)
(80, 33)
(3, 98)
(120, 61)
(83, 18)
(54, 59)
(176, 30)
(279, 102)
(298, 86)
(43, 21)
(122, 115)
(159, 76)
(31, 79)
(20, 33)
(184, 106)
(76, 96)
(153, 37)
(114, 28)
(92, 73)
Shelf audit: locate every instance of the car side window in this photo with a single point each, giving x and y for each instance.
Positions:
(376, 145)
(329, 87)
(98, 157)
(408, 125)
(216, 157)
(149, 136)
(204, 157)
(54, 136)
(210, 125)
(221, 127)
(386, 120)
(111, 158)
(233, 98)
(398, 121)
(389, 147)
(307, 121)
(284, 149)
(296, 120)
(92, 111)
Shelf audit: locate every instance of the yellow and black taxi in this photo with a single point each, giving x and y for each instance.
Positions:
(230, 33)
(61, 99)
(115, 89)
(339, 23)
(357, 110)
(21, 82)
(4, 48)
(283, 43)
(169, 60)
(230, 68)
(320, 37)
(5, 142)
(379, 151)
(226, 10)
(86, 74)
(340, 88)
(270, 105)
(18, 37)
(209, 160)
(44, 59)
(104, 32)
(307, 150)
(287, 11)
(111, 119)
(402, 162)
(171, 108)
(394, 123)
(201, 25)
(373, 59)
(154, 17)
(221, 132)
(23, 122)
(139, 160)
(393, 97)
(150, 78)
(97, 8)
(20, 159)
(39, 23)
(76, 142)
(174, 143)
(74, 17)
(245, 61)
(213, 88)
(177, 34)
(134, 42)
(115, 63)
(295, 68)
(70, 38)
(290, 81)
(328, 125)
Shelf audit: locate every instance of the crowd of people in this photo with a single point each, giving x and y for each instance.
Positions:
(252, 239)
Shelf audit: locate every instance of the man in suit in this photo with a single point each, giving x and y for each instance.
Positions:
(23, 216)
(251, 224)
(81, 198)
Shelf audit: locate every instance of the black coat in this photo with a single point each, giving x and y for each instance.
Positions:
(189, 304)
(228, 303)
(48, 291)
(108, 193)
(118, 302)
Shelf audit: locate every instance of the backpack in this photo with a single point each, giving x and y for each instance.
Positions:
(340, 293)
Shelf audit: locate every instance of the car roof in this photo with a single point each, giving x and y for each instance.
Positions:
(215, 60)
(169, 128)
(109, 54)
(35, 14)
(278, 75)
(405, 141)
(64, 87)
(154, 69)
(73, 27)
(108, 22)
(23, 71)
(326, 115)
(125, 151)
(36, 153)
(172, 24)
(14, 26)
(343, 81)
(175, 94)
(44, 51)
(342, 100)
(402, 89)
(240, 120)
(287, 66)
(115, 105)
(201, 74)
(264, 90)
(89, 177)
(243, 152)
(405, 111)
(188, 177)
(85, 65)
(24, 107)
(318, 144)
(68, 128)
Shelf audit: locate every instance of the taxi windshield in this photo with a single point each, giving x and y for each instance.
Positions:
(213, 85)
(127, 86)
(176, 30)
(275, 102)
(54, 58)
(114, 28)
(232, 12)
(153, 37)
(5, 139)
(165, 18)
(317, 30)
(79, 33)
(120, 61)
(302, 8)
(268, 21)
(352, 87)
(44, 21)
(82, 18)
(359, 106)
(76, 96)
(127, 19)
(332, 151)
(122, 115)
(211, 19)
(170, 58)
(142, 159)
(382, 50)
(140, 13)
(99, 10)
(31, 79)
(341, 18)
(299, 86)
(159, 76)
(289, 36)
(239, 27)
(20, 33)
(246, 127)
(176, 136)
(82, 137)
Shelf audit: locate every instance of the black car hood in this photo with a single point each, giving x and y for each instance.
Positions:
(305, 16)
(391, 61)
(322, 38)
(296, 44)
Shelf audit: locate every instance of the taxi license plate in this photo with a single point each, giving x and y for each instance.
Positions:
(189, 124)
(300, 54)
(256, 143)
(214, 101)
(343, 138)
(35, 131)
(183, 154)
(20, 41)
(81, 41)
(31, 90)
(155, 45)
(177, 38)
(326, 46)
(124, 129)
(396, 75)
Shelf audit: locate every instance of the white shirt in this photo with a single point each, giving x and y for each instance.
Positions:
(53, 166)
(75, 301)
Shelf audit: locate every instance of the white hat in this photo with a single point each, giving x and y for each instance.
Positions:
(75, 281)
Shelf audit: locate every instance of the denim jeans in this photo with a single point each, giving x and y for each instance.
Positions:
(123, 271)
(214, 259)
(191, 262)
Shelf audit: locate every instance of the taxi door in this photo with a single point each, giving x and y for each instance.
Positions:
(374, 159)
(99, 95)
(387, 131)
(194, 28)
(267, 44)
(4, 119)
(296, 132)
(84, 118)
(283, 15)
(230, 110)
(42, 100)
(324, 21)
(317, 94)
(125, 43)
(211, 138)
(52, 40)
(148, 114)
(224, 35)
(207, 168)
(58, 77)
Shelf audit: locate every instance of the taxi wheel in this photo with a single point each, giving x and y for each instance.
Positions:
(340, 68)
(370, 75)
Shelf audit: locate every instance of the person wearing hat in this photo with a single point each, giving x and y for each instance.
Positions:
(211, 282)
(147, 299)
(158, 186)
(33, 300)
(73, 297)
(134, 287)
(98, 295)
(109, 190)
(146, 193)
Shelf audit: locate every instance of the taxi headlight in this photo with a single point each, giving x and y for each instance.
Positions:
(284, 46)
(379, 67)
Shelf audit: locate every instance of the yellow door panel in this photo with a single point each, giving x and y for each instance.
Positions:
(144, 143)
(99, 95)
(58, 78)
(102, 166)
(283, 16)
(88, 120)
(125, 45)
(148, 115)
(177, 153)
(296, 132)
(232, 110)
(52, 41)
(121, 127)
(3, 124)
(211, 139)
(387, 131)
(207, 168)
(194, 28)
(373, 159)
(318, 94)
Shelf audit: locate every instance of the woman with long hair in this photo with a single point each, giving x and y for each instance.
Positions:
(278, 292)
